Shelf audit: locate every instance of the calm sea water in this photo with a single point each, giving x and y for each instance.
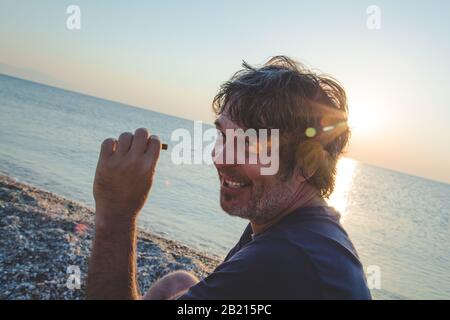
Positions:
(398, 223)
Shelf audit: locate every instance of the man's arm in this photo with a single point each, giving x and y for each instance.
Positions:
(122, 182)
(112, 265)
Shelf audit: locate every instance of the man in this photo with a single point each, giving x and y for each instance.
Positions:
(294, 246)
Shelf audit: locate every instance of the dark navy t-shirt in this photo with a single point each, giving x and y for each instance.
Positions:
(306, 255)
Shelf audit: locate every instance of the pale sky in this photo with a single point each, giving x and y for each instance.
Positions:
(171, 56)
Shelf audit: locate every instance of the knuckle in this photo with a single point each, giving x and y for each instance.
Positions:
(125, 135)
(108, 141)
(141, 131)
(154, 136)
(154, 139)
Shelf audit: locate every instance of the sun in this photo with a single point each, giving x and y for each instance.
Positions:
(364, 118)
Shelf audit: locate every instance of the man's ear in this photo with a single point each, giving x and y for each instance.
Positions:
(302, 176)
(309, 157)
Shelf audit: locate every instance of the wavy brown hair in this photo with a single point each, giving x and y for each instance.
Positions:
(309, 109)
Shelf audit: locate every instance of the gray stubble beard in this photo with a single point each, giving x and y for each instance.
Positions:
(266, 203)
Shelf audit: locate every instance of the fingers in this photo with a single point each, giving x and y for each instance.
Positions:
(153, 150)
(140, 141)
(108, 147)
(124, 143)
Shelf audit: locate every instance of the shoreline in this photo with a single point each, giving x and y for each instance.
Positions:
(44, 236)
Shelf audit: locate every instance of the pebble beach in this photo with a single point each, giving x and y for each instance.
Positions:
(45, 242)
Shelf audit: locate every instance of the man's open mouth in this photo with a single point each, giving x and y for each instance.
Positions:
(233, 183)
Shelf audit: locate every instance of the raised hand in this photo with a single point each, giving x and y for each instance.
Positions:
(124, 177)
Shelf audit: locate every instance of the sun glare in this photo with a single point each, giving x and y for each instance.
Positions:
(364, 119)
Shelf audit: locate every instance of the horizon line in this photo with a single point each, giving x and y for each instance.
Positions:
(188, 119)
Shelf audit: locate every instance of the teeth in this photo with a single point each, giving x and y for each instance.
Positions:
(233, 184)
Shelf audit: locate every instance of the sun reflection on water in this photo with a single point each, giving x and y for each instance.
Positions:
(344, 180)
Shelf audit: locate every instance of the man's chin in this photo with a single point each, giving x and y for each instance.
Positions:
(233, 208)
(234, 201)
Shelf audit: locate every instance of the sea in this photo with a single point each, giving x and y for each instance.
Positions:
(399, 223)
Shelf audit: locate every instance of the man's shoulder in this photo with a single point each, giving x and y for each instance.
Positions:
(314, 231)
(310, 249)
(269, 250)
(304, 236)
(271, 268)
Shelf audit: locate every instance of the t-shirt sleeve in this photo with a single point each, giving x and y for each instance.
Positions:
(264, 269)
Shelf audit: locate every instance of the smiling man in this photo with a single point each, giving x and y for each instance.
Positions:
(294, 246)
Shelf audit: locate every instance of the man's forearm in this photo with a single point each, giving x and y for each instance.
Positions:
(123, 179)
(112, 266)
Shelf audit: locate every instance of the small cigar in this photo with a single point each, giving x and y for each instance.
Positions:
(164, 146)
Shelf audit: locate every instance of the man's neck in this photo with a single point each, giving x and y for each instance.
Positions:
(312, 200)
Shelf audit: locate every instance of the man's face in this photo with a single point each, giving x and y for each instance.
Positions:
(244, 191)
